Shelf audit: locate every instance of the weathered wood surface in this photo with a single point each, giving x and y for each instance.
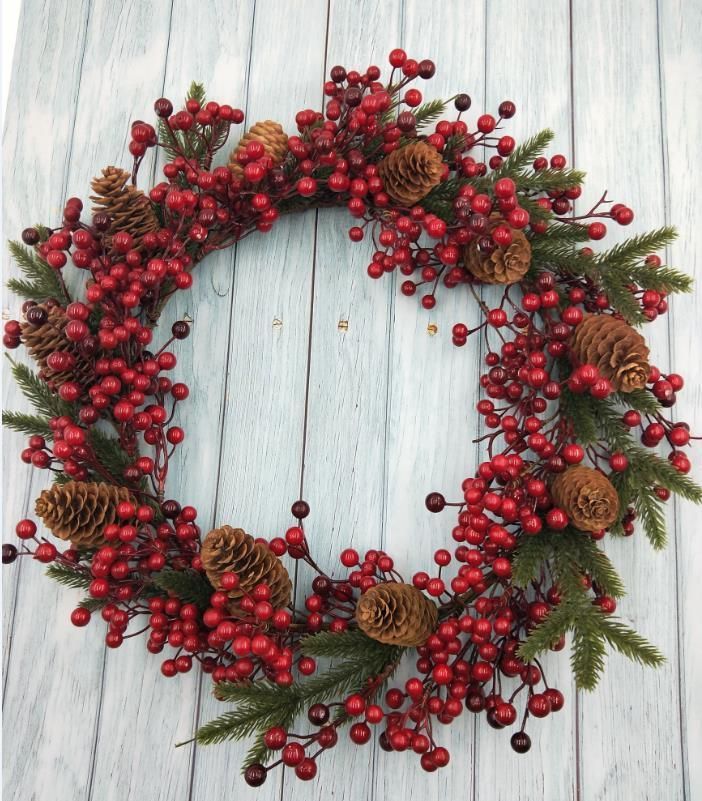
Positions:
(308, 377)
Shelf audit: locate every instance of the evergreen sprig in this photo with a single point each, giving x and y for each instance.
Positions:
(75, 577)
(109, 452)
(188, 142)
(187, 585)
(38, 393)
(263, 704)
(592, 632)
(429, 113)
(27, 423)
(41, 282)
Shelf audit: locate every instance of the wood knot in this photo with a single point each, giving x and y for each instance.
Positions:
(277, 323)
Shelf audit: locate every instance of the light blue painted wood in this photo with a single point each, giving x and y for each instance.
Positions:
(633, 714)
(348, 384)
(388, 406)
(133, 711)
(540, 87)
(681, 64)
(264, 405)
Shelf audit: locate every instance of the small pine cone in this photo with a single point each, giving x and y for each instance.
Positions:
(272, 137)
(228, 549)
(502, 266)
(411, 172)
(588, 497)
(47, 337)
(617, 350)
(396, 614)
(128, 207)
(79, 511)
(43, 339)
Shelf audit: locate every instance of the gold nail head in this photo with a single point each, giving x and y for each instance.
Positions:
(277, 323)
(432, 329)
(343, 325)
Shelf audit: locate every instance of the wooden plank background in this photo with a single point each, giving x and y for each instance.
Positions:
(309, 378)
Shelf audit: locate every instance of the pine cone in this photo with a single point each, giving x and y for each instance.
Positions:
(617, 350)
(411, 172)
(128, 207)
(502, 266)
(79, 511)
(46, 337)
(588, 498)
(396, 614)
(270, 134)
(228, 549)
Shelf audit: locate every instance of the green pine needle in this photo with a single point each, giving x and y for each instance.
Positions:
(68, 576)
(650, 513)
(28, 424)
(429, 113)
(630, 643)
(263, 704)
(42, 280)
(587, 658)
(636, 248)
(187, 585)
(38, 393)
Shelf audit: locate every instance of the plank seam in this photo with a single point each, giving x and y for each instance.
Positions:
(670, 324)
(215, 505)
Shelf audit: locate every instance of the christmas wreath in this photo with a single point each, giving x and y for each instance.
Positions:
(574, 413)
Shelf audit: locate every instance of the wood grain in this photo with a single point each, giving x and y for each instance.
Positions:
(617, 86)
(308, 377)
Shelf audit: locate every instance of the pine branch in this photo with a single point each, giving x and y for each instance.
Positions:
(42, 280)
(651, 469)
(187, 585)
(429, 113)
(38, 393)
(543, 636)
(524, 154)
(559, 235)
(353, 643)
(650, 512)
(93, 604)
(587, 658)
(576, 553)
(630, 643)
(69, 577)
(617, 287)
(662, 279)
(636, 248)
(28, 424)
(109, 452)
(546, 180)
(640, 399)
(529, 556)
(263, 704)
(440, 200)
(578, 409)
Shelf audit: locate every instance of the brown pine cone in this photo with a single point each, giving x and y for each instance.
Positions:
(45, 336)
(272, 137)
(587, 497)
(128, 207)
(617, 350)
(411, 172)
(228, 549)
(502, 266)
(79, 511)
(396, 614)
